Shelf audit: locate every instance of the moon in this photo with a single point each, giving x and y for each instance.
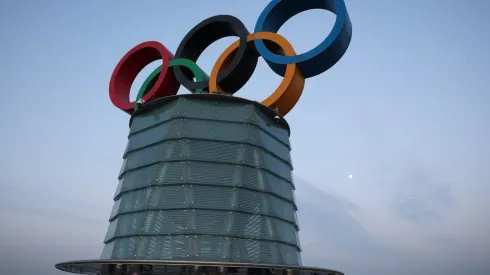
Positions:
(350, 177)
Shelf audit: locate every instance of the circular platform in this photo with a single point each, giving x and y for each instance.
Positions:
(152, 267)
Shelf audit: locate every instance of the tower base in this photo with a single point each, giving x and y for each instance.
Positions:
(155, 267)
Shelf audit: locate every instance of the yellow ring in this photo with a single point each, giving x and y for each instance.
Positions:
(291, 87)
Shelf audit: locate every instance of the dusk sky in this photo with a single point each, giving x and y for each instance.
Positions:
(406, 112)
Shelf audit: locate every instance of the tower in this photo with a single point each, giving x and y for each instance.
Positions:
(197, 185)
(206, 182)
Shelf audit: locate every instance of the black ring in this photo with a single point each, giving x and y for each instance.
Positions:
(202, 36)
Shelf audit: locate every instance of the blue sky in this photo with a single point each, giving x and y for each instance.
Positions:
(405, 112)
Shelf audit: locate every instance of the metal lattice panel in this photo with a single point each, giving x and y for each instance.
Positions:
(205, 180)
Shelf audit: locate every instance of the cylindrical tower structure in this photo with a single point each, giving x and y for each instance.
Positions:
(206, 185)
(205, 178)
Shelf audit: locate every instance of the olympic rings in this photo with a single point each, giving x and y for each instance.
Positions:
(323, 56)
(291, 87)
(237, 63)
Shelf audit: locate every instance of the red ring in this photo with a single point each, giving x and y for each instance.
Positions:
(131, 64)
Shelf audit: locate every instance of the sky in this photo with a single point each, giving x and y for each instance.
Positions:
(405, 112)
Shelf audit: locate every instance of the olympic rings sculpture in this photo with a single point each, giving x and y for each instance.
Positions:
(237, 63)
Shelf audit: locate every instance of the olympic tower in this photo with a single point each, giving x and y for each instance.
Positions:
(206, 184)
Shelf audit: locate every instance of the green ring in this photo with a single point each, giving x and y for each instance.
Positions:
(199, 74)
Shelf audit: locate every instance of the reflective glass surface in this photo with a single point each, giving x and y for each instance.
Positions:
(197, 184)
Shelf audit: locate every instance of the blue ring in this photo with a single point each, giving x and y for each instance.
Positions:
(323, 56)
